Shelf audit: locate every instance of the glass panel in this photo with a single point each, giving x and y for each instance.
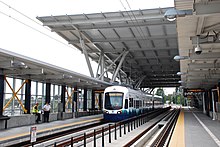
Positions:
(89, 99)
(113, 100)
(126, 103)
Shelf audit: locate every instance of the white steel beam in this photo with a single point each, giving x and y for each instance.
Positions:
(86, 56)
(102, 64)
(101, 20)
(127, 39)
(200, 25)
(6, 64)
(119, 66)
(110, 26)
(86, 38)
(112, 64)
(140, 81)
(23, 72)
(116, 50)
(99, 64)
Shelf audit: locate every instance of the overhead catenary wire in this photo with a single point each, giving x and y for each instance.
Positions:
(23, 23)
(142, 33)
(22, 14)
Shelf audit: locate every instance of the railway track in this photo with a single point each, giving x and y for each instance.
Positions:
(159, 133)
(47, 138)
(115, 129)
(97, 134)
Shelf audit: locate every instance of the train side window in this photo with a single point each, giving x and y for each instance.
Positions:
(137, 104)
(126, 103)
(131, 102)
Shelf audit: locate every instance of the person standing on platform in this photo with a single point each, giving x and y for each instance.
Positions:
(46, 112)
(36, 112)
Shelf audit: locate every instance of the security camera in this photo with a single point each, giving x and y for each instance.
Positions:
(198, 49)
(171, 14)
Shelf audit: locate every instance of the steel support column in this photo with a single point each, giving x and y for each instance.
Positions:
(218, 88)
(48, 88)
(99, 64)
(85, 100)
(100, 101)
(102, 74)
(102, 64)
(139, 82)
(63, 90)
(27, 103)
(2, 87)
(75, 97)
(86, 55)
(93, 100)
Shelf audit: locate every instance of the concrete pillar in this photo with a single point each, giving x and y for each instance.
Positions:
(203, 102)
(48, 87)
(63, 90)
(85, 100)
(2, 87)
(27, 103)
(213, 107)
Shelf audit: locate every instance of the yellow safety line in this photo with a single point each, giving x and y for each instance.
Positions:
(48, 129)
(178, 137)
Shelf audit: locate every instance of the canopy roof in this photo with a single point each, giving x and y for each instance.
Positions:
(148, 38)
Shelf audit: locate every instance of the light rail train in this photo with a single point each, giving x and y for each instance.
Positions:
(120, 103)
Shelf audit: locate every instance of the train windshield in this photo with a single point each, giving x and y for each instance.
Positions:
(113, 100)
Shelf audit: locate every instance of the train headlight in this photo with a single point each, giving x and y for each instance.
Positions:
(106, 111)
(119, 112)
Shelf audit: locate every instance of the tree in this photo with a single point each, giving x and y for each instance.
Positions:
(160, 92)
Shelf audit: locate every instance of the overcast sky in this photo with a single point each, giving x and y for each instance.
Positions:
(24, 36)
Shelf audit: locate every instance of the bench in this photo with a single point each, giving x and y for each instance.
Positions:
(5, 118)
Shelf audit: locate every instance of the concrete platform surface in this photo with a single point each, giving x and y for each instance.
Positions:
(18, 134)
(197, 130)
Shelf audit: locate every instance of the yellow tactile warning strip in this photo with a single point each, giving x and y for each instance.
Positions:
(178, 137)
(48, 129)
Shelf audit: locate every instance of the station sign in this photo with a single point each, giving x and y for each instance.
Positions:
(33, 134)
(188, 92)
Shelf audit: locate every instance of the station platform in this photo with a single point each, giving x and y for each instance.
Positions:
(19, 134)
(195, 129)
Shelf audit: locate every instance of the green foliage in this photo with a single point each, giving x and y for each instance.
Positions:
(160, 92)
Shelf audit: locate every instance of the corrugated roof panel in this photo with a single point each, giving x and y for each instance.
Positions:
(143, 35)
(170, 29)
(160, 43)
(162, 53)
(156, 30)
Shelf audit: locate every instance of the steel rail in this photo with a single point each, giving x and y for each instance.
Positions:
(161, 139)
(99, 131)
